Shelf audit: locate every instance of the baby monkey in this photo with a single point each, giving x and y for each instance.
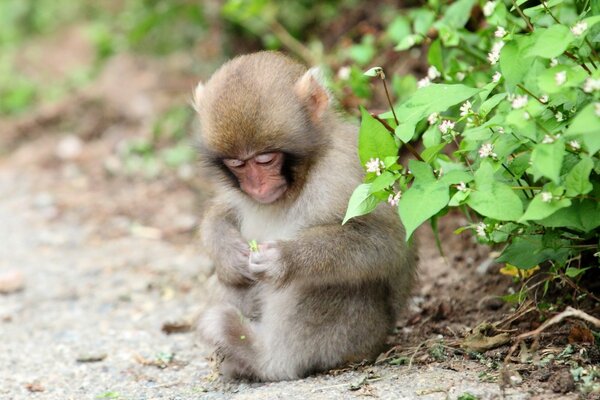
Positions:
(315, 294)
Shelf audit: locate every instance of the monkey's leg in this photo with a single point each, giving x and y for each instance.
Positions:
(303, 331)
(232, 334)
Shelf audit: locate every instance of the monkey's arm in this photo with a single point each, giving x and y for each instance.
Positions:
(368, 248)
(222, 239)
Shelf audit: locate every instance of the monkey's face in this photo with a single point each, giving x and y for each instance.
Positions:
(260, 176)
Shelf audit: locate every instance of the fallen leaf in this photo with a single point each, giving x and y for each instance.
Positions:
(176, 327)
(581, 334)
(479, 340)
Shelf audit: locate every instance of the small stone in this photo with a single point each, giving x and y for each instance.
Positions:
(11, 281)
(35, 387)
(562, 382)
(69, 148)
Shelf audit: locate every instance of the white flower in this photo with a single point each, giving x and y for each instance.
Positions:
(553, 62)
(393, 199)
(548, 139)
(497, 76)
(487, 150)
(423, 82)
(526, 116)
(579, 28)
(544, 98)
(519, 101)
(460, 76)
(494, 55)
(375, 165)
(433, 73)
(560, 77)
(433, 117)
(466, 108)
(488, 8)
(480, 229)
(546, 197)
(500, 130)
(591, 85)
(500, 32)
(446, 126)
(597, 109)
(575, 145)
(559, 116)
(462, 187)
(344, 73)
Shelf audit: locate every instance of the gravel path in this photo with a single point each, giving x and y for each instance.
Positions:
(103, 302)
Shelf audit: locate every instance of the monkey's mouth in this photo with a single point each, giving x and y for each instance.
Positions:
(271, 196)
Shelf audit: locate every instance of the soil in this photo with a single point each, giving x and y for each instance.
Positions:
(103, 274)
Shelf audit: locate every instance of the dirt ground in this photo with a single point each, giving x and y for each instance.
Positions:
(108, 275)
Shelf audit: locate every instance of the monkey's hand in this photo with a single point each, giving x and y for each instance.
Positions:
(265, 264)
(232, 267)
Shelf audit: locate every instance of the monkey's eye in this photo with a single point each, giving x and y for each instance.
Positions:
(265, 158)
(233, 163)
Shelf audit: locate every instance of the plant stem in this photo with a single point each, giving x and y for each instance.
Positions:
(464, 156)
(387, 94)
(581, 64)
(292, 43)
(568, 54)
(593, 51)
(409, 147)
(518, 180)
(520, 86)
(529, 26)
(526, 187)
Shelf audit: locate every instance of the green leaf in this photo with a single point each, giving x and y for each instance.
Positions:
(383, 181)
(573, 272)
(491, 103)
(435, 57)
(423, 19)
(525, 252)
(425, 198)
(546, 160)
(577, 180)
(458, 13)
(408, 41)
(430, 153)
(422, 201)
(399, 28)
(361, 202)
(549, 43)
(539, 209)
(374, 140)
(425, 101)
(586, 127)
(583, 215)
(492, 198)
(456, 177)
(458, 198)
(547, 80)
(513, 64)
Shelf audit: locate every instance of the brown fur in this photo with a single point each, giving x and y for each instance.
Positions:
(318, 293)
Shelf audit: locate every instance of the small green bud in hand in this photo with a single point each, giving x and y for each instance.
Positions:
(253, 246)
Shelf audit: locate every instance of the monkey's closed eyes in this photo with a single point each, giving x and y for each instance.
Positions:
(316, 293)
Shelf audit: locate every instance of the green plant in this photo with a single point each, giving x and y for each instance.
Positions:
(509, 118)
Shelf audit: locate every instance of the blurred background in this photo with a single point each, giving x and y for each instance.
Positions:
(99, 91)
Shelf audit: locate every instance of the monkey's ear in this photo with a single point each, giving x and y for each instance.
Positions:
(313, 94)
(197, 96)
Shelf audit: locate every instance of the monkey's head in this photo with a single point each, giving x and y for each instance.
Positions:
(261, 124)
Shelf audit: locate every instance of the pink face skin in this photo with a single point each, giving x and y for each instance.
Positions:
(260, 176)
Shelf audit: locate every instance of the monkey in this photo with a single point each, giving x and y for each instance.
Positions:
(317, 294)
